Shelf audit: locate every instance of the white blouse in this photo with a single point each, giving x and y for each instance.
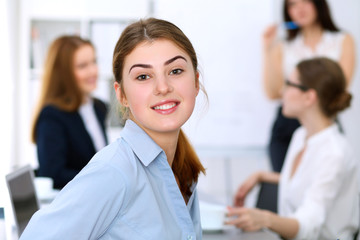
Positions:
(323, 193)
(92, 125)
(295, 51)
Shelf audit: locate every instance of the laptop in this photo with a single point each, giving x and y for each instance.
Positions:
(23, 196)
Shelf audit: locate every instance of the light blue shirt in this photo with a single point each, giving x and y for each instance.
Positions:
(127, 191)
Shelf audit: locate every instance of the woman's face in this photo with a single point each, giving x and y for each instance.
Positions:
(160, 86)
(85, 69)
(293, 97)
(302, 12)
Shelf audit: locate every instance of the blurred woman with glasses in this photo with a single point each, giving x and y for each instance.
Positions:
(318, 185)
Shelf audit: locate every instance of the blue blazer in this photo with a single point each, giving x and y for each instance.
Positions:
(64, 146)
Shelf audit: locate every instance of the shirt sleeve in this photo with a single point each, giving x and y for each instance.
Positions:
(320, 196)
(84, 209)
(52, 146)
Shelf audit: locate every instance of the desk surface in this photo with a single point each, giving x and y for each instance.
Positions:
(237, 234)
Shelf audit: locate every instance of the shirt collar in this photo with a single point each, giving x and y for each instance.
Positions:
(323, 134)
(140, 142)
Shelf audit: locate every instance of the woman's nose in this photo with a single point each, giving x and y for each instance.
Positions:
(162, 86)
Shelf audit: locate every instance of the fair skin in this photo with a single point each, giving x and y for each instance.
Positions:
(160, 87)
(303, 13)
(303, 105)
(85, 69)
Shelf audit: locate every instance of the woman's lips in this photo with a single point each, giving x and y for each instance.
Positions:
(166, 107)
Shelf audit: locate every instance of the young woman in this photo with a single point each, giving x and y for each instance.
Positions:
(143, 186)
(319, 192)
(69, 124)
(316, 36)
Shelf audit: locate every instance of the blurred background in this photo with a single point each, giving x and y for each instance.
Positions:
(230, 134)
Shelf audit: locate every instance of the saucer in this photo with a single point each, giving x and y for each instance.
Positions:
(217, 229)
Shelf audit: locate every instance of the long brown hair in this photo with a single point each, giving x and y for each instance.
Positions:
(186, 165)
(323, 18)
(59, 86)
(326, 77)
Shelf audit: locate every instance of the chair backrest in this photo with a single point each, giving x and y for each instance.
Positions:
(267, 198)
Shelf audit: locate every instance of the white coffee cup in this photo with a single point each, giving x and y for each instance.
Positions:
(44, 187)
(212, 216)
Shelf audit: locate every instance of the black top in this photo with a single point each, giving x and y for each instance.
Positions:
(281, 134)
(64, 146)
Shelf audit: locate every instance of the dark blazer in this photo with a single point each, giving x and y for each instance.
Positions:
(64, 146)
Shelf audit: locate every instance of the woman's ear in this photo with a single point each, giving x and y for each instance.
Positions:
(197, 83)
(311, 97)
(120, 96)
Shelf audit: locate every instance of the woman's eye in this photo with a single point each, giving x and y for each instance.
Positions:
(82, 65)
(291, 3)
(143, 77)
(176, 71)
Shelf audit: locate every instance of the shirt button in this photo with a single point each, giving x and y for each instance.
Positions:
(189, 237)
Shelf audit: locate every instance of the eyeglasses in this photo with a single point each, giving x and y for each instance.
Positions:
(301, 87)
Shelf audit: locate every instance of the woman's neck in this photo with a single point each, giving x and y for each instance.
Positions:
(315, 123)
(168, 143)
(86, 98)
(312, 35)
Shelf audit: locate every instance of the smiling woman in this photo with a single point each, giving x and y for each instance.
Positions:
(143, 186)
(161, 93)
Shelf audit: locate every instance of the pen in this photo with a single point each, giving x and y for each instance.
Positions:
(290, 25)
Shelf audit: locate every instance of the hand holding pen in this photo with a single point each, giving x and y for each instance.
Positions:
(271, 32)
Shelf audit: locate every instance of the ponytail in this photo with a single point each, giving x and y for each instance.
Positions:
(186, 165)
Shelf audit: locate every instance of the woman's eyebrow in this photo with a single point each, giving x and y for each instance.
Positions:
(140, 65)
(166, 63)
(173, 59)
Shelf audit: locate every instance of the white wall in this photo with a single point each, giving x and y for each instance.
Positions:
(347, 16)
(8, 75)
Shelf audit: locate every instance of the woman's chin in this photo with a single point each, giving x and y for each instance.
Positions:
(287, 114)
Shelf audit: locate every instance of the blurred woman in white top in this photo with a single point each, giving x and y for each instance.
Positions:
(318, 186)
(312, 34)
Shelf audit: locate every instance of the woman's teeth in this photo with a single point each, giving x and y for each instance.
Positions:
(165, 106)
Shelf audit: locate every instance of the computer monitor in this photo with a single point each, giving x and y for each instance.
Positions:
(23, 196)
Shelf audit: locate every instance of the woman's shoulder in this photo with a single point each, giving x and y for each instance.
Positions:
(339, 37)
(335, 147)
(54, 112)
(51, 111)
(338, 142)
(119, 157)
(336, 33)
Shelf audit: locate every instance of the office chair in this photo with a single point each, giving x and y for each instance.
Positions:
(267, 198)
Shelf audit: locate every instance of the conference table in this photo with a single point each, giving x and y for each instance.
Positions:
(237, 234)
